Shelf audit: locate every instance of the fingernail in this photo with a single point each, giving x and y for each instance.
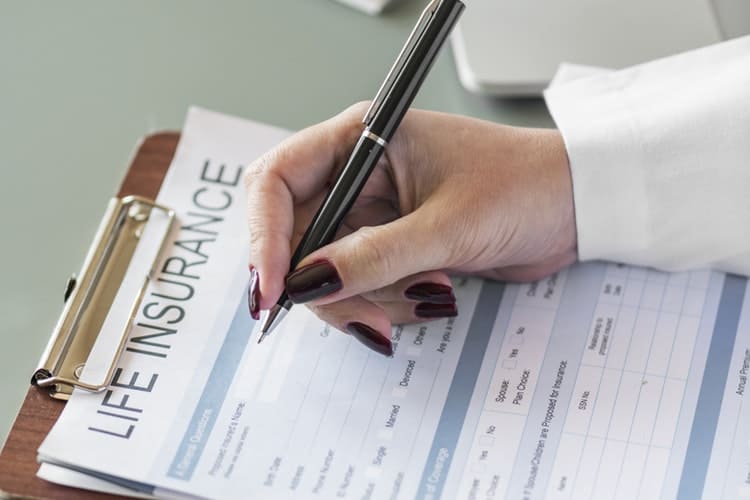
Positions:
(427, 310)
(434, 293)
(313, 281)
(253, 294)
(371, 338)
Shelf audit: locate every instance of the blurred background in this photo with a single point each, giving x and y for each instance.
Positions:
(82, 81)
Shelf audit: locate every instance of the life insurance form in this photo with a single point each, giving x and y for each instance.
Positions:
(601, 381)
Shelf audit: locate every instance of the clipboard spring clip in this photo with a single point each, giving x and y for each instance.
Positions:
(89, 296)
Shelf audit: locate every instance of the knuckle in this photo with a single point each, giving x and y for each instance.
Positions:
(259, 240)
(249, 175)
(259, 171)
(373, 258)
(462, 246)
(254, 172)
(470, 242)
(357, 109)
(256, 235)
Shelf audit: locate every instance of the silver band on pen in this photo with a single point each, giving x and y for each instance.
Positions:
(374, 137)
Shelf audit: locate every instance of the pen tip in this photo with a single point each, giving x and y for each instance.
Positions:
(271, 320)
(264, 330)
(268, 321)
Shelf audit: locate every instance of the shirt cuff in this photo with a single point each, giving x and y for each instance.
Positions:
(658, 158)
(609, 194)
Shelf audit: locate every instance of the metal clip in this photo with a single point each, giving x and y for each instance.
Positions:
(89, 297)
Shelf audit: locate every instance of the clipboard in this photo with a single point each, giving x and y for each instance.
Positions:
(75, 333)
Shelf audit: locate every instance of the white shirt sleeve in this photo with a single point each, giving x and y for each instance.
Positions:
(660, 160)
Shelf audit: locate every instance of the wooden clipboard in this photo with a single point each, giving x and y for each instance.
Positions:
(39, 412)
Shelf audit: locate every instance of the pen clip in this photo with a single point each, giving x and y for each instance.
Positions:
(403, 57)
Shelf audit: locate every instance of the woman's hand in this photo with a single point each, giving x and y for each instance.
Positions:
(450, 195)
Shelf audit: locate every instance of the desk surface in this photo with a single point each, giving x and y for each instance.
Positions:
(82, 81)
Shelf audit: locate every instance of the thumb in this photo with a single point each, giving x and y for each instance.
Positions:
(367, 259)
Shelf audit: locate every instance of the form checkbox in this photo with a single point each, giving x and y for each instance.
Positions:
(414, 351)
(510, 364)
(373, 472)
(399, 392)
(385, 434)
(485, 440)
(516, 339)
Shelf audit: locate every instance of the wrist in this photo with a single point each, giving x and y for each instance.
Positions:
(556, 158)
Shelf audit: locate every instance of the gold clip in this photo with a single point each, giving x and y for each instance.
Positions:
(89, 297)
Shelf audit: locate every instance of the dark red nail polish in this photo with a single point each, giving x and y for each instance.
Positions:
(312, 282)
(434, 293)
(253, 294)
(371, 338)
(427, 310)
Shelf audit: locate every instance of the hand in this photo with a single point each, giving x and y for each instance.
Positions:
(449, 195)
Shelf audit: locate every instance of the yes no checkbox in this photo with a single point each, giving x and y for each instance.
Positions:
(373, 472)
(485, 440)
(510, 364)
(385, 434)
(399, 392)
(414, 351)
(516, 339)
(479, 467)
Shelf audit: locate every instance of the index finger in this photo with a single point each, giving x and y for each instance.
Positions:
(291, 173)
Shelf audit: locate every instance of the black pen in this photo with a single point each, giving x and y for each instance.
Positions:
(381, 121)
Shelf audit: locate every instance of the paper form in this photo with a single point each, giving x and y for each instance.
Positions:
(601, 381)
